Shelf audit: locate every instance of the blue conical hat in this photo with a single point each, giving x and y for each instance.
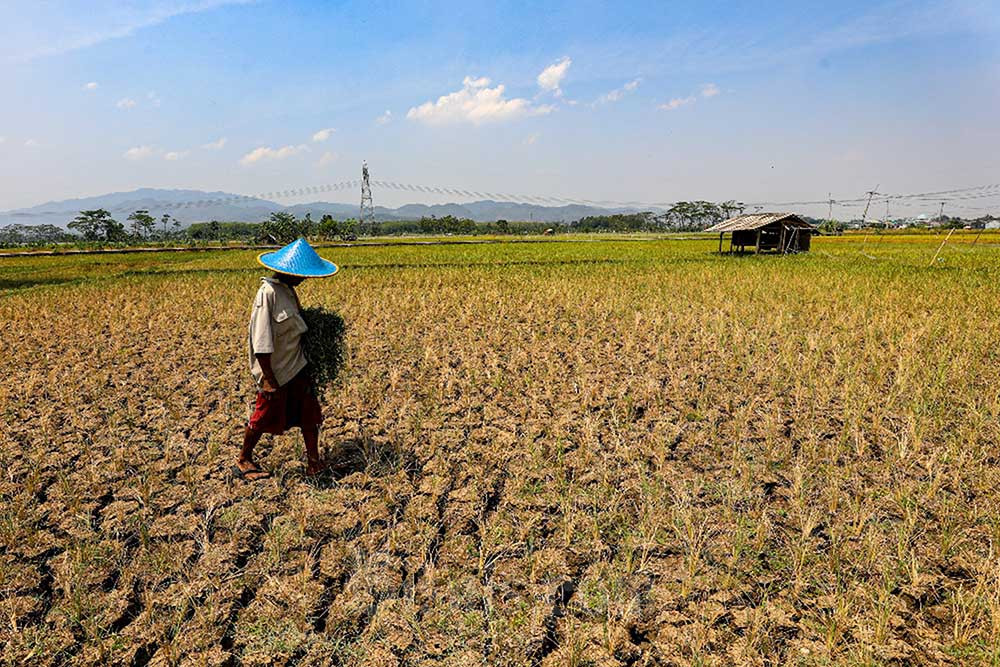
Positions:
(298, 259)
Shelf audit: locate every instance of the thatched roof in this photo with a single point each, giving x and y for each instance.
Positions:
(753, 221)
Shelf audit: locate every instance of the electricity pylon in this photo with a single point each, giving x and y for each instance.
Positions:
(366, 220)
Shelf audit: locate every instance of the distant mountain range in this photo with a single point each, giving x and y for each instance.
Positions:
(190, 206)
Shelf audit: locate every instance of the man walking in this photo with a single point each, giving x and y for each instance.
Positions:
(286, 396)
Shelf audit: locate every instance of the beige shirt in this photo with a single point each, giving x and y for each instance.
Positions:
(276, 327)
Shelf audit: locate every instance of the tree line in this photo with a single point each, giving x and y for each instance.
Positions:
(98, 226)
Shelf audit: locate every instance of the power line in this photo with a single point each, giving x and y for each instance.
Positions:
(974, 193)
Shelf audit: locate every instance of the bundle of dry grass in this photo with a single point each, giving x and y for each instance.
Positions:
(324, 344)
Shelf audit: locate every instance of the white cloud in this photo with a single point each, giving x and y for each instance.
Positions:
(384, 119)
(551, 77)
(531, 139)
(215, 145)
(475, 103)
(30, 143)
(90, 86)
(153, 98)
(268, 153)
(611, 96)
(328, 157)
(618, 93)
(324, 134)
(173, 156)
(138, 152)
(677, 103)
(707, 90)
(125, 103)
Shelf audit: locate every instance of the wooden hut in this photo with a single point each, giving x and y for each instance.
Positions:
(765, 232)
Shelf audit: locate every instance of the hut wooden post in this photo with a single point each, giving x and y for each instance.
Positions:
(781, 240)
(757, 249)
(720, 242)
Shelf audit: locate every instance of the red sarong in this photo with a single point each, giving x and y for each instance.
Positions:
(294, 404)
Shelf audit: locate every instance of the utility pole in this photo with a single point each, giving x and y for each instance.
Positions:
(939, 220)
(829, 214)
(367, 208)
(870, 193)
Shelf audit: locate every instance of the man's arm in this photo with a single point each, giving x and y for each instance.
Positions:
(268, 383)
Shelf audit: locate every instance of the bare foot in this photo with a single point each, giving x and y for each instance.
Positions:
(317, 468)
(250, 471)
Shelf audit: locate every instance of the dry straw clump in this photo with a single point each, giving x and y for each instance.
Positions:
(601, 453)
(324, 344)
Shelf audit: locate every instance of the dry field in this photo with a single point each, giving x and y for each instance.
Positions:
(611, 453)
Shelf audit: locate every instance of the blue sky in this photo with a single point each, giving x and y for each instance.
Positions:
(620, 101)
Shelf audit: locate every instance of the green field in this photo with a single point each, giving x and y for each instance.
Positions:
(573, 452)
